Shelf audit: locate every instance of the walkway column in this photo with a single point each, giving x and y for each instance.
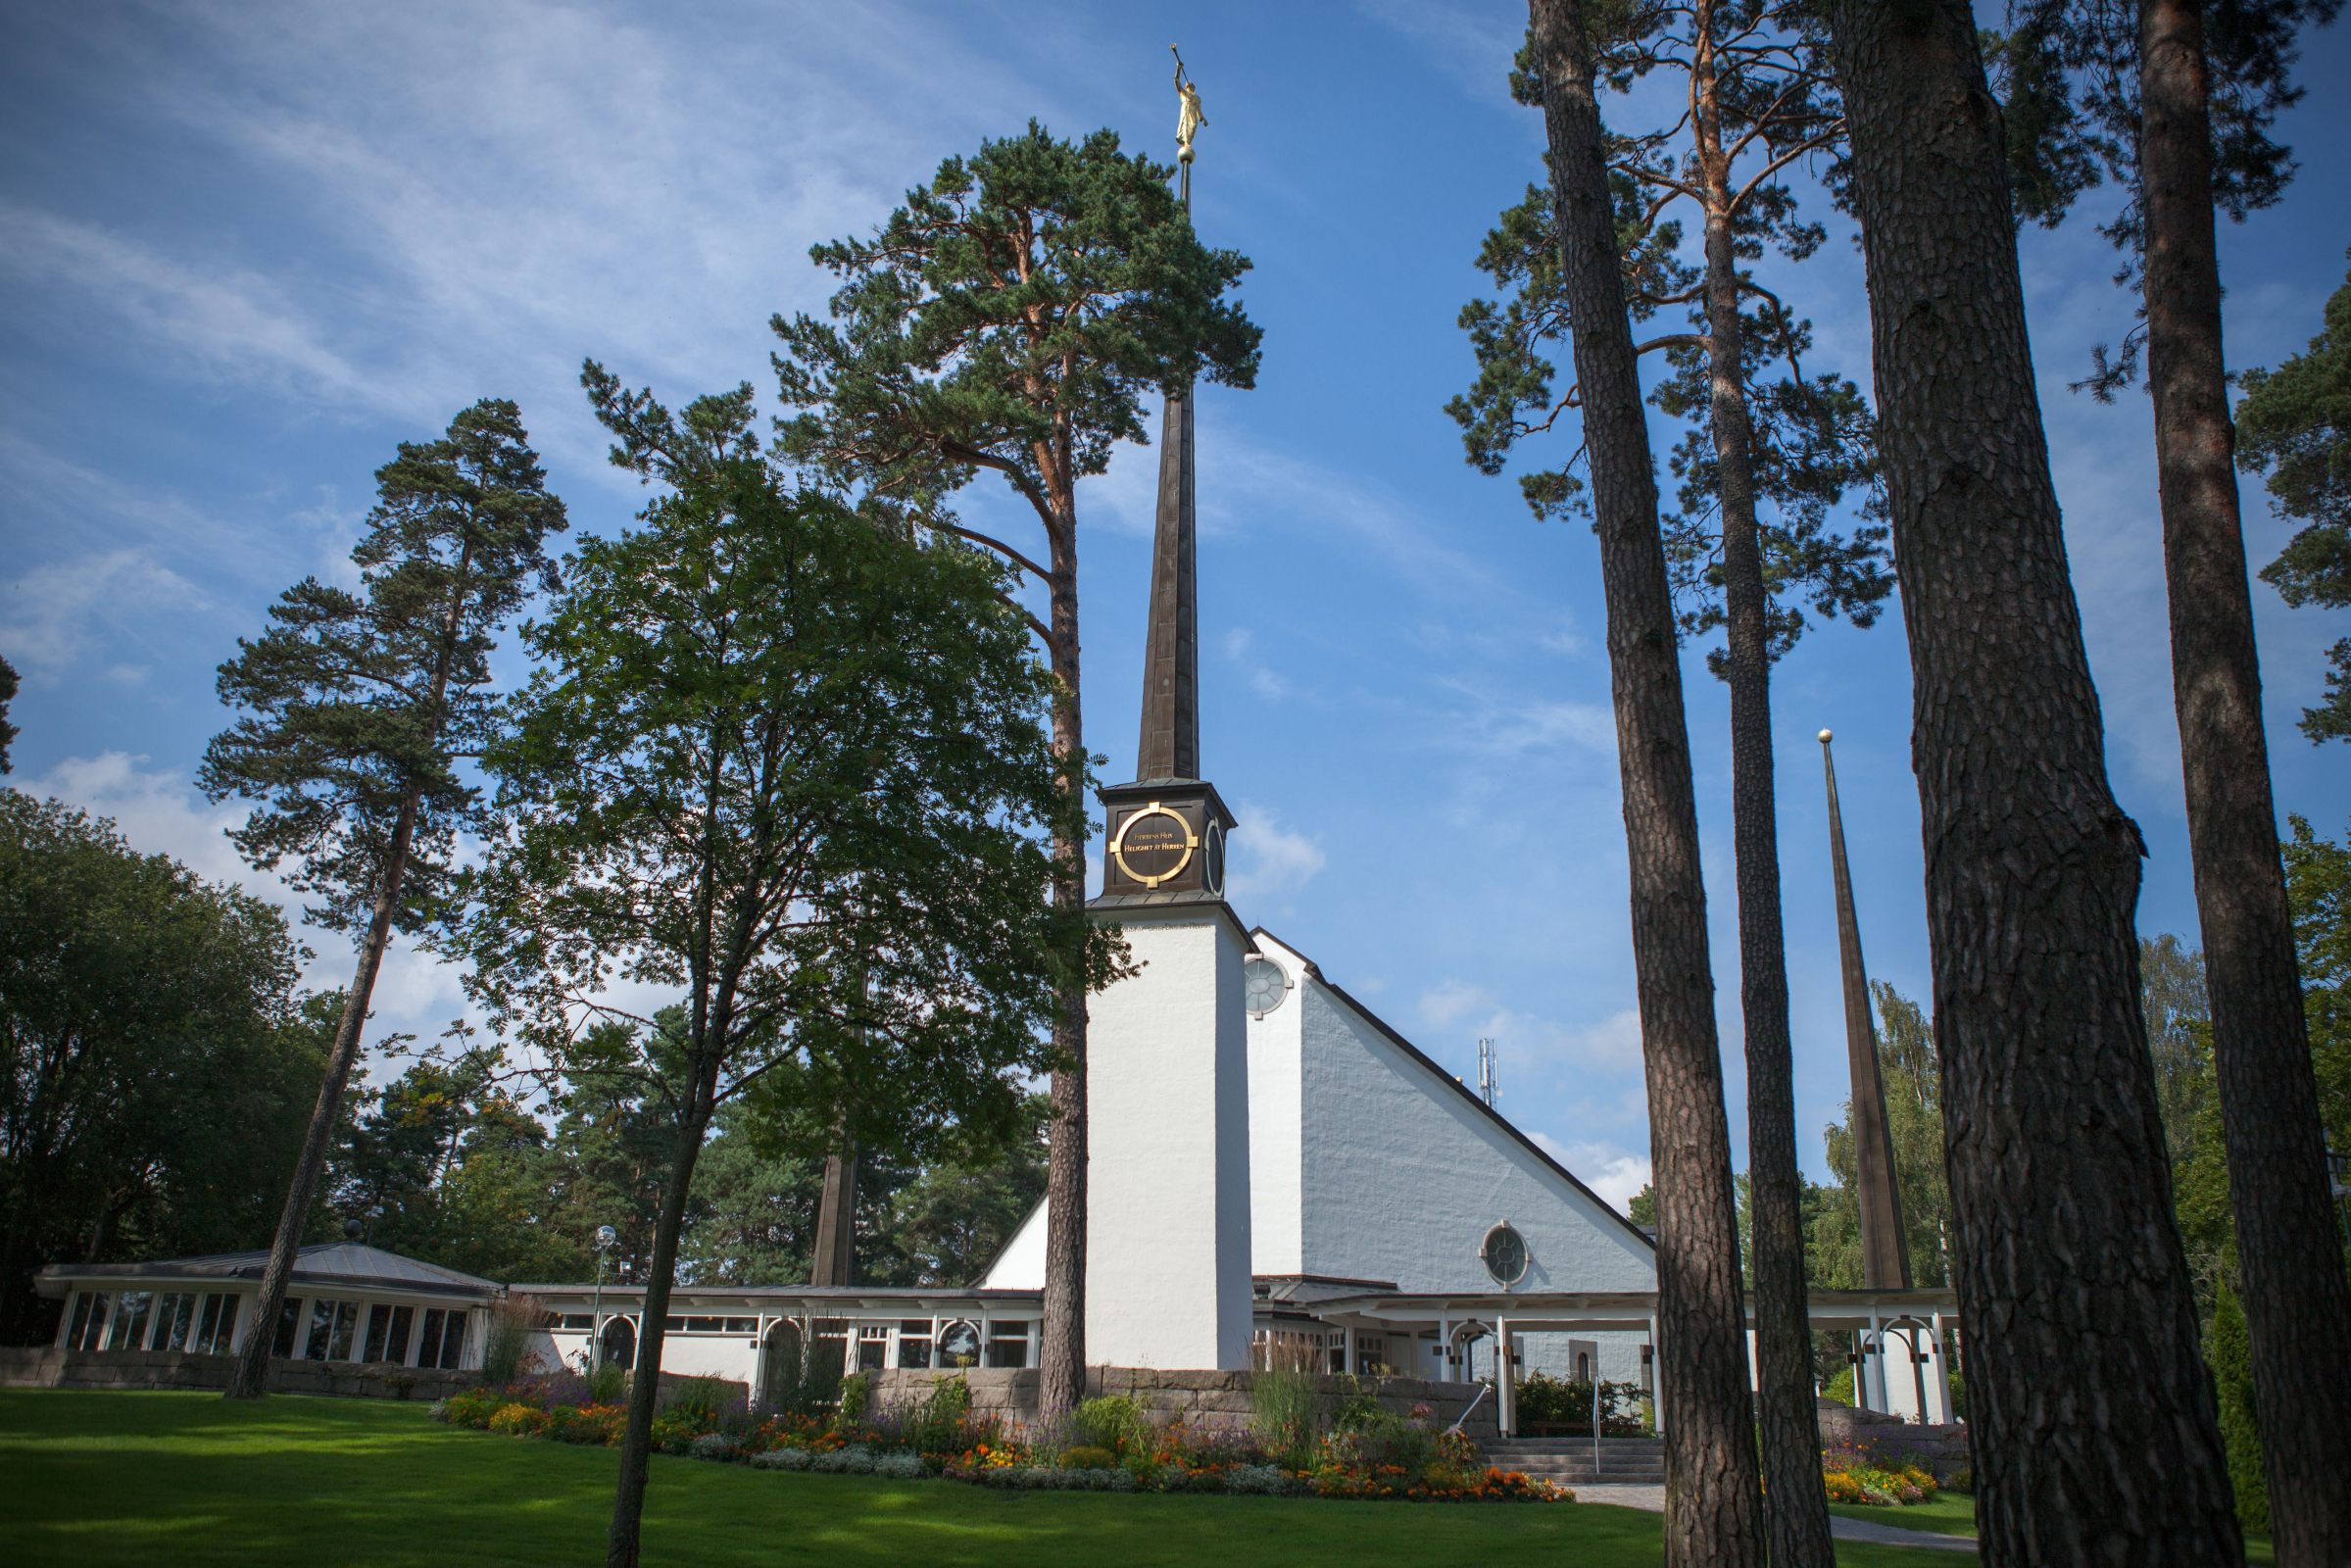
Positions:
(1873, 1364)
(1505, 1380)
(1938, 1379)
(1656, 1379)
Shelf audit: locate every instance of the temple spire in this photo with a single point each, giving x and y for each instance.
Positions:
(1885, 1243)
(1169, 747)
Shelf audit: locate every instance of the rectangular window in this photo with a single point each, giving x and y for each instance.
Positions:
(175, 1315)
(575, 1322)
(380, 1324)
(742, 1325)
(443, 1344)
(914, 1342)
(396, 1346)
(873, 1346)
(89, 1321)
(830, 1342)
(218, 1325)
(289, 1324)
(347, 1317)
(321, 1330)
(1009, 1344)
(130, 1321)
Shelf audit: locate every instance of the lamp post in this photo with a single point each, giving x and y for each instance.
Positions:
(606, 1236)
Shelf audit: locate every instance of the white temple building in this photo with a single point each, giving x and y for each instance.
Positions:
(1275, 1171)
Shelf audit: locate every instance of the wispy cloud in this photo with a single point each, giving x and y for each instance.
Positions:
(53, 615)
(1609, 1172)
(1268, 859)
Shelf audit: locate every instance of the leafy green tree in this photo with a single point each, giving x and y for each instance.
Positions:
(1010, 319)
(443, 1164)
(2232, 1354)
(2294, 425)
(2179, 1036)
(142, 1011)
(2318, 878)
(1914, 1125)
(785, 769)
(359, 709)
(8, 695)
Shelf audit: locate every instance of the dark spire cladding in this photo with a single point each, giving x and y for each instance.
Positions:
(1170, 743)
(837, 1218)
(1885, 1243)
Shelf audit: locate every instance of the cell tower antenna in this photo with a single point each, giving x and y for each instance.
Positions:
(1489, 1089)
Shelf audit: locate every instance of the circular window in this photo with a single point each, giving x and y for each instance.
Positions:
(1263, 984)
(1505, 1255)
(958, 1346)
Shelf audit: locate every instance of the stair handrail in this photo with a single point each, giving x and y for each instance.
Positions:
(1484, 1388)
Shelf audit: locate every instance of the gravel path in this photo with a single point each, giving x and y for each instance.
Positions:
(1653, 1499)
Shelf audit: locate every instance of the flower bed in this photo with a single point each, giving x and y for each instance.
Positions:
(1867, 1475)
(1105, 1445)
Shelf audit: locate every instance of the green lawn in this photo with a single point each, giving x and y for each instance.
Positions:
(1951, 1513)
(148, 1479)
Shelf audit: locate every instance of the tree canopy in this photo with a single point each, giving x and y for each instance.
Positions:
(2294, 425)
(142, 1011)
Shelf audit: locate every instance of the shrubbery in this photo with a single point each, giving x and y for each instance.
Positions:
(1878, 1475)
(1105, 1444)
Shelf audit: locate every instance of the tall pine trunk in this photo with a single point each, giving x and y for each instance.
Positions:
(2297, 1306)
(249, 1379)
(626, 1540)
(1061, 1349)
(2096, 1437)
(1712, 1506)
(1788, 1417)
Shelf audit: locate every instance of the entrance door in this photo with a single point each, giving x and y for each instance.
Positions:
(782, 1365)
(619, 1342)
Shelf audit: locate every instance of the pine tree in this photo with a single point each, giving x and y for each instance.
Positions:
(360, 708)
(2054, 1135)
(2179, 97)
(1713, 1505)
(1760, 100)
(1009, 318)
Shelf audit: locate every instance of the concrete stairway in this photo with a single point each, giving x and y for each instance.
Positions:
(1629, 1461)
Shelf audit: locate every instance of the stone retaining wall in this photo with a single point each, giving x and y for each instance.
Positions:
(49, 1368)
(1220, 1398)
(1943, 1450)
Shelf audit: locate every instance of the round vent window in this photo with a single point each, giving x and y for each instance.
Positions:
(1505, 1255)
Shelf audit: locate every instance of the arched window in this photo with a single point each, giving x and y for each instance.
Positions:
(781, 1370)
(958, 1346)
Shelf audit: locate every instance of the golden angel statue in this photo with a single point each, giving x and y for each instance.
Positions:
(1188, 119)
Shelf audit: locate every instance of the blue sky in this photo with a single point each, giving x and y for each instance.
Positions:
(247, 249)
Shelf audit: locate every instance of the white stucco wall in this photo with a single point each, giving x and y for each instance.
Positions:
(1168, 1242)
(1401, 1174)
(1020, 1266)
